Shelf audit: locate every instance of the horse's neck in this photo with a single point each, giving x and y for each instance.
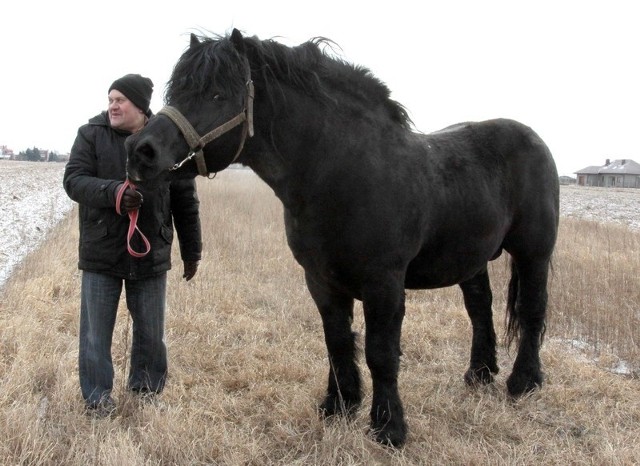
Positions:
(281, 155)
(273, 168)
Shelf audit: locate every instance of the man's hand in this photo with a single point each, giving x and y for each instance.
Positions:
(190, 269)
(131, 199)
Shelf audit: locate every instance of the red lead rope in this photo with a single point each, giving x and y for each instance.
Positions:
(133, 221)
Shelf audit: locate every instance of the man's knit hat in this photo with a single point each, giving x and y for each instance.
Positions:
(136, 88)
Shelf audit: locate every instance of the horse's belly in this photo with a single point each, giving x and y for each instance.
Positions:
(421, 280)
(429, 271)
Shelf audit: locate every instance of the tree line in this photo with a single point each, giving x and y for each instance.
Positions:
(36, 155)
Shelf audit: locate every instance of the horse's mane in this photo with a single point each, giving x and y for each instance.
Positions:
(308, 67)
(212, 65)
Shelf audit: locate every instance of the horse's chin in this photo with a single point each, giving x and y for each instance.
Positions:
(146, 177)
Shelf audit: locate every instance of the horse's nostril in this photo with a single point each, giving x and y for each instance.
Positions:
(146, 151)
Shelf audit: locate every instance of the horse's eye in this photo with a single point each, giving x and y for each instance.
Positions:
(217, 98)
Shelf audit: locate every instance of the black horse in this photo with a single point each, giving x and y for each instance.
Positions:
(371, 207)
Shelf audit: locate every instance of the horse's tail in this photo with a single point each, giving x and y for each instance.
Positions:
(512, 317)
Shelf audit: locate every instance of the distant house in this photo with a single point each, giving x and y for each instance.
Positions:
(5, 153)
(621, 173)
(566, 180)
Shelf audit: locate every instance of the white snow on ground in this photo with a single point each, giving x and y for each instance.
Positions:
(616, 205)
(32, 200)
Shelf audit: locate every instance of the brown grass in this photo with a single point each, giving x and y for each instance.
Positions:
(248, 363)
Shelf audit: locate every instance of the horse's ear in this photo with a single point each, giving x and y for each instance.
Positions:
(194, 40)
(237, 40)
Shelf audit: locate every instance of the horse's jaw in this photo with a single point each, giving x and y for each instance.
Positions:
(144, 178)
(151, 177)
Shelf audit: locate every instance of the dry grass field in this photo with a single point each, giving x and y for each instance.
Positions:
(248, 364)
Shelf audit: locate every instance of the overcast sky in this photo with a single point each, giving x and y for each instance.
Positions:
(568, 69)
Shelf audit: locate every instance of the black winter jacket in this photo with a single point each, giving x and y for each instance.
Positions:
(97, 165)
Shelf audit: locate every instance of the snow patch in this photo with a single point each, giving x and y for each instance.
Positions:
(32, 201)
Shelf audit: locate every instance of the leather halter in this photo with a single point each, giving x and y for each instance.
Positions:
(196, 142)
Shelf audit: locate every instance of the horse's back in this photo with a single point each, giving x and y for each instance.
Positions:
(509, 153)
(506, 138)
(493, 186)
(519, 161)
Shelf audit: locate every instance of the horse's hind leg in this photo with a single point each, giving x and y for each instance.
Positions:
(478, 300)
(528, 305)
(343, 388)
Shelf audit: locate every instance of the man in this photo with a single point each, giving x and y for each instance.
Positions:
(93, 178)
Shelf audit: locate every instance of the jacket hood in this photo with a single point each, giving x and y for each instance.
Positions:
(101, 119)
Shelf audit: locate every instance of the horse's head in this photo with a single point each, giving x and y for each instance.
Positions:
(207, 117)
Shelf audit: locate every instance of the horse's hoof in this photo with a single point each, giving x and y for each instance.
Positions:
(336, 406)
(391, 436)
(478, 377)
(518, 386)
(388, 426)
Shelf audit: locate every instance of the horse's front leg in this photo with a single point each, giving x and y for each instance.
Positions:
(343, 389)
(478, 300)
(384, 308)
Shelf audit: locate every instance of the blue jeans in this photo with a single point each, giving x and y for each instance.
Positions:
(146, 301)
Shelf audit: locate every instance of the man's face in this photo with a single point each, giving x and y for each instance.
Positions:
(123, 114)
